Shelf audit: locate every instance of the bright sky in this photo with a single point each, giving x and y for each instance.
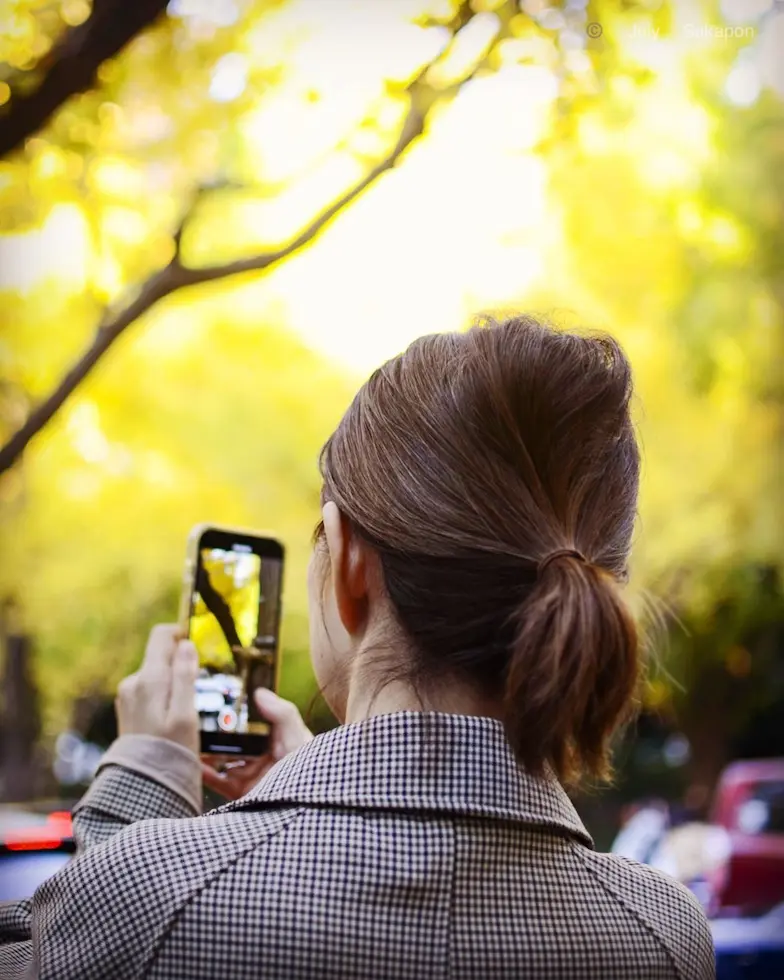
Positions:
(460, 225)
(457, 226)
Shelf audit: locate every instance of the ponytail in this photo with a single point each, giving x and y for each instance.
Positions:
(458, 462)
(573, 669)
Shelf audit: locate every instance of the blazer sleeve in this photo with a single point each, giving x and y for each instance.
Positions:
(140, 778)
(16, 948)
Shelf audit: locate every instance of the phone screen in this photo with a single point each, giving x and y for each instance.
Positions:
(234, 624)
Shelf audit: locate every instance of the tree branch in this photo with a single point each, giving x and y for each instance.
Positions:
(412, 127)
(219, 608)
(72, 64)
(176, 276)
(156, 287)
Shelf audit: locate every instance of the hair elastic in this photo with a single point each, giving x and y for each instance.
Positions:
(560, 553)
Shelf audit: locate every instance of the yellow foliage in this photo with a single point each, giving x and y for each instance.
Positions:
(643, 209)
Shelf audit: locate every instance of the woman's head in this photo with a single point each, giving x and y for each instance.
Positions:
(459, 472)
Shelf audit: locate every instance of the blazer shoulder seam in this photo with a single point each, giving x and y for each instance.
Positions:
(633, 911)
(177, 914)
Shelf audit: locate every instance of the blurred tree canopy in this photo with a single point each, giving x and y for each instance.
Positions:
(207, 242)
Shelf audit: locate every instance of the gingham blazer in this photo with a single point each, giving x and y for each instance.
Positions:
(406, 846)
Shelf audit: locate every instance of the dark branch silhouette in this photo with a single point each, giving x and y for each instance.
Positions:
(71, 66)
(219, 608)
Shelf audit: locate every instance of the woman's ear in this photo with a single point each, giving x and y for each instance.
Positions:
(349, 567)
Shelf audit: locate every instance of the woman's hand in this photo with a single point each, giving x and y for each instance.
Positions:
(233, 777)
(159, 698)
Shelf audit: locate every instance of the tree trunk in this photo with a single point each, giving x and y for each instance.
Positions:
(709, 743)
(20, 720)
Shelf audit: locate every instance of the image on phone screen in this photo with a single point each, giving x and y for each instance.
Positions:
(234, 625)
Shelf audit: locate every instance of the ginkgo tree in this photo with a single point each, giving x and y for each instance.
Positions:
(199, 245)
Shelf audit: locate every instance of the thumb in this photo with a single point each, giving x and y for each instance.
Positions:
(289, 728)
(273, 707)
(215, 780)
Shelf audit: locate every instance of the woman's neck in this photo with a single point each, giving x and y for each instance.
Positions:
(365, 701)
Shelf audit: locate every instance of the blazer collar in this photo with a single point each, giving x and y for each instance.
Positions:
(426, 761)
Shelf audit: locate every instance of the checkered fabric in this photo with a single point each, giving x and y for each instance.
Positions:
(405, 846)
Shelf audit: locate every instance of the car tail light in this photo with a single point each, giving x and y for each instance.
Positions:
(52, 834)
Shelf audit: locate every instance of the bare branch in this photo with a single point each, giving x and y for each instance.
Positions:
(72, 64)
(176, 276)
(412, 128)
(154, 289)
(199, 194)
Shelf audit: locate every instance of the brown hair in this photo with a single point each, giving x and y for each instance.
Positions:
(466, 463)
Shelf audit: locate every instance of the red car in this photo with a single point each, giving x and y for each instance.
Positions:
(749, 804)
(35, 842)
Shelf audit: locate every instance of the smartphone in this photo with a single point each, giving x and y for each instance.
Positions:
(231, 603)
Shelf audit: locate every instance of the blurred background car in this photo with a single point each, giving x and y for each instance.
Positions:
(749, 806)
(35, 842)
(750, 949)
(733, 861)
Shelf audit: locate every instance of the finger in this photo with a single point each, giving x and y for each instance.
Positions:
(275, 708)
(212, 779)
(160, 650)
(290, 731)
(124, 705)
(229, 787)
(236, 782)
(185, 667)
(259, 767)
(182, 719)
(126, 689)
(216, 760)
(235, 764)
(155, 673)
